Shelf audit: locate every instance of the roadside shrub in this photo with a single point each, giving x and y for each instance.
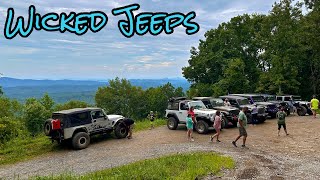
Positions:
(9, 129)
(35, 116)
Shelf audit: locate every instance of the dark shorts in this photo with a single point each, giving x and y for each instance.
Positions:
(242, 131)
(284, 126)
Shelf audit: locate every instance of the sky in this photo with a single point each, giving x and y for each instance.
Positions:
(107, 53)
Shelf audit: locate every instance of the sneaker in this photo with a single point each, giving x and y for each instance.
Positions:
(234, 144)
(192, 140)
(244, 146)
(218, 141)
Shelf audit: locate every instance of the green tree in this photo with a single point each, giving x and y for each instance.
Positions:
(157, 98)
(47, 102)
(9, 129)
(1, 91)
(35, 116)
(120, 97)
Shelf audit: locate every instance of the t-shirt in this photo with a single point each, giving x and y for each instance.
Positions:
(281, 117)
(189, 122)
(314, 104)
(243, 118)
(192, 114)
(128, 121)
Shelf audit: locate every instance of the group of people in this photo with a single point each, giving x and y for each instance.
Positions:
(242, 125)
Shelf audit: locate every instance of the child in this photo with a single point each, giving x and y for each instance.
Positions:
(282, 121)
(217, 126)
(189, 127)
(151, 116)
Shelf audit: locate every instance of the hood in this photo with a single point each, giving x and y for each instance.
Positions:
(303, 102)
(265, 103)
(225, 108)
(114, 117)
(208, 111)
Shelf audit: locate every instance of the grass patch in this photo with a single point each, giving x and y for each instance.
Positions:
(25, 148)
(21, 149)
(145, 124)
(180, 166)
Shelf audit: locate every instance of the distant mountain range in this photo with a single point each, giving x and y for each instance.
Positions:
(65, 90)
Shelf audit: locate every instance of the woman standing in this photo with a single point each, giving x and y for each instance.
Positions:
(217, 126)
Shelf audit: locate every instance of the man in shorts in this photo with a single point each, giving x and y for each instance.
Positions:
(242, 125)
(314, 106)
(129, 123)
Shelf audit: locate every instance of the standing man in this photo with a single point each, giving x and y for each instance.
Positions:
(254, 114)
(242, 125)
(314, 106)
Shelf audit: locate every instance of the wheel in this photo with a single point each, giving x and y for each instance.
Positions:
(262, 119)
(47, 127)
(288, 113)
(202, 127)
(249, 118)
(80, 140)
(172, 123)
(121, 131)
(224, 123)
(302, 111)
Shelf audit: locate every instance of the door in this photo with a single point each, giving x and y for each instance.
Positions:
(183, 112)
(99, 121)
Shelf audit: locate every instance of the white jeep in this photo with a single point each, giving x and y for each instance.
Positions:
(77, 125)
(177, 113)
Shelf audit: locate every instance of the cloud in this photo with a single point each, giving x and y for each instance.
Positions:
(66, 41)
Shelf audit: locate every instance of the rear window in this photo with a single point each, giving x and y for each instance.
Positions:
(287, 99)
(173, 106)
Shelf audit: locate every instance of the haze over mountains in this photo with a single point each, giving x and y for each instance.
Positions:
(65, 90)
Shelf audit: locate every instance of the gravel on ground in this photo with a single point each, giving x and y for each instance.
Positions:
(267, 157)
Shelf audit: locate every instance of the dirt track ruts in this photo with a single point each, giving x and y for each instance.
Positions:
(269, 157)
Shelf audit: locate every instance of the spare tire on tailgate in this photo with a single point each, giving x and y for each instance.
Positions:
(48, 127)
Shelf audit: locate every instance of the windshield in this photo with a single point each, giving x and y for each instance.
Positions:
(296, 98)
(217, 102)
(197, 105)
(243, 101)
(271, 98)
(257, 98)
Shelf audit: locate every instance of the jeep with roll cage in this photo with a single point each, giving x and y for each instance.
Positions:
(177, 112)
(230, 114)
(76, 126)
(240, 102)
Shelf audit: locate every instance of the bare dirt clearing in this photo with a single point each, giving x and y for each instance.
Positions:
(268, 157)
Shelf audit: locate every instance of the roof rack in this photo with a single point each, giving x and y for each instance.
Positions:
(177, 99)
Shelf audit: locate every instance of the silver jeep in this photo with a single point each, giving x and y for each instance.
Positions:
(77, 125)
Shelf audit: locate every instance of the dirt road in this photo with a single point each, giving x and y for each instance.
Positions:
(269, 157)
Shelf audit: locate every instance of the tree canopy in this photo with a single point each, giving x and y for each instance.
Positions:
(274, 53)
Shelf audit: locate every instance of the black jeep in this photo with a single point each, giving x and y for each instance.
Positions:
(240, 102)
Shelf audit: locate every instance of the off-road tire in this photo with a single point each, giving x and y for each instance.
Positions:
(302, 111)
(225, 123)
(81, 140)
(202, 127)
(172, 123)
(288, 113)
(121, 131)
(47, 127)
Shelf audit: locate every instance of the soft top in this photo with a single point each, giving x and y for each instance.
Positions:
(76, 110)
